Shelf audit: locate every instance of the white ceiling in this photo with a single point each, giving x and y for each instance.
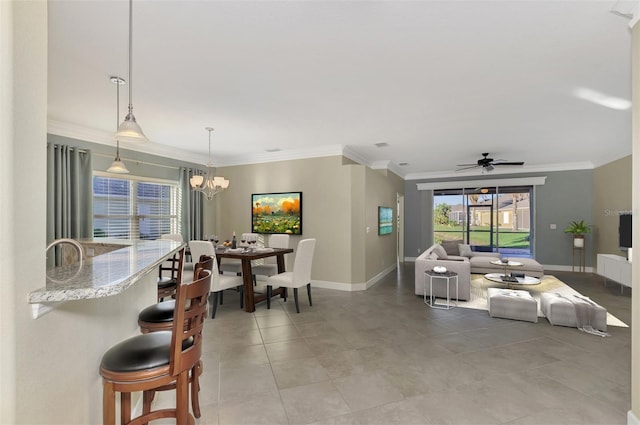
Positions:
(439, 81)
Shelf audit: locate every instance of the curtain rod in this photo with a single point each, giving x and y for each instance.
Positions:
(123, 158)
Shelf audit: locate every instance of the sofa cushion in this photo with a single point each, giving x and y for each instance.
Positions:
(451, 247)
(440, 252)
(464, 250)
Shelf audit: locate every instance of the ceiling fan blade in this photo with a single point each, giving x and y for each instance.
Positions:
(509, 163)
(468, 167)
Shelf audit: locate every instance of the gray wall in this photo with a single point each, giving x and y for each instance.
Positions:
(566, 196)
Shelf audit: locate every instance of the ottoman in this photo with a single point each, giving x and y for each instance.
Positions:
(512, 304)
(561, 312)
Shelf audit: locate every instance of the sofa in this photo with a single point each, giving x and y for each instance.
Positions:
(459, 258)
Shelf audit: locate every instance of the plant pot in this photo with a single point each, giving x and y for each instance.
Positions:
(578, 241)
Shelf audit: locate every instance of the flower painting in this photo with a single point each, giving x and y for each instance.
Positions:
(277, 213)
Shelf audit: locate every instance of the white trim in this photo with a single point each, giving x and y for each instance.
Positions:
(632, 419)
(523, 181)
(507, 170)
(351, 287)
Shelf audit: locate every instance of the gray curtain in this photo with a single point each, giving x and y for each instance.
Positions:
(69, 193)
(192, 206)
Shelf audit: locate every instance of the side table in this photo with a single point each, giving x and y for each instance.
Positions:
(447, 277)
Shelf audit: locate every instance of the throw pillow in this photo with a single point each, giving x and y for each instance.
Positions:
(440, 252)
(465, 250)
(451, 247)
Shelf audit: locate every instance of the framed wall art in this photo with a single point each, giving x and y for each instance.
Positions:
(385, 220)
(273, 213)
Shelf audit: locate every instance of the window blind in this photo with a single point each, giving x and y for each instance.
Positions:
(134, 209)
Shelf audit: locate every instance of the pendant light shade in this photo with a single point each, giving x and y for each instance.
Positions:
(129, 130)
(209, 184)
(117, 166)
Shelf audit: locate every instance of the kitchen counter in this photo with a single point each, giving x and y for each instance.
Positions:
(104, 275)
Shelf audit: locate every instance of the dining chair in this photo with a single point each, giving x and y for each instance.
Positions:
(299, 277)
(158, 360)
(200, 248)
(172, 237)
(219, 283)
(270, 264)
(234, 265)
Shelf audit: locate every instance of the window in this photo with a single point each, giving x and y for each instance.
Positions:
(489, 219)
(134, 208)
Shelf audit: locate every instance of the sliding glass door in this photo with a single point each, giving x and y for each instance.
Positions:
(489, 219)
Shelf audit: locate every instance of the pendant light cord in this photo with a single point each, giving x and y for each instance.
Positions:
(130, 53)
(117, 116)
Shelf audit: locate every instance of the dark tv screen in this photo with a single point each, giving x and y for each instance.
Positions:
(624, 230)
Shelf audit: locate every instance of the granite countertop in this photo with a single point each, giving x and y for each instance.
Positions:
(107, 274)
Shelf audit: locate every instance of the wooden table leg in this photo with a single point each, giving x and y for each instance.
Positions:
(247, 278)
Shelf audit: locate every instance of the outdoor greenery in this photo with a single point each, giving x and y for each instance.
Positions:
(479, 235)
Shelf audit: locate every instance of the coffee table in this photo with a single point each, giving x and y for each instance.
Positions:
(507, 264)
(508, 279)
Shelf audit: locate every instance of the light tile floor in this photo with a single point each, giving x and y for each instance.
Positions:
(382, 357)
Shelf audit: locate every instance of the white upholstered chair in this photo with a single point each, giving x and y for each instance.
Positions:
(199, 248)
(299, 277)
(221, 282)
(270, 265)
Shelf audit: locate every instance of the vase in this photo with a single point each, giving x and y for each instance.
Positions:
(578, 241)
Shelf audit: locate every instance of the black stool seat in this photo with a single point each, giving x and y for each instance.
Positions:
(158, 313)
(165, 282)
(141, 352)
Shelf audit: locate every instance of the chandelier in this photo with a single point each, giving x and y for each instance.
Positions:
(209, 184)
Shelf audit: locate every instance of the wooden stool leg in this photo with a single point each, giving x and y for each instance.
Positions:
(108, 404)
(125, 408)
(182, 398)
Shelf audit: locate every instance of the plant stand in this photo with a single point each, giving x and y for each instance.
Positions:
(580, 251)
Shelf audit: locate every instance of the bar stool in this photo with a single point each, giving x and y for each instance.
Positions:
(159, 317)
(156, 360)
(167, 284)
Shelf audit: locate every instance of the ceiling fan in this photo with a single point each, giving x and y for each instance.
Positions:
(488, 163)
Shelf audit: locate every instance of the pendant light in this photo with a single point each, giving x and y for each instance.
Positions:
(129, 130)
(117, 166)
(209, 184)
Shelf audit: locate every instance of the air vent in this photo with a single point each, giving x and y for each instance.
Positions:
(273, 150)
(381, 145)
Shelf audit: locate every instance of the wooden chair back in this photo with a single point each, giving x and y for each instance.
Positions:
(189, 317)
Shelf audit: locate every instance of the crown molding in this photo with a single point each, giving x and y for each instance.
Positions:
(284, 155)
(546, 168)
(73, 131)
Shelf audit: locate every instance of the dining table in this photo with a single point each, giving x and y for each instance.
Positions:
(246, 256)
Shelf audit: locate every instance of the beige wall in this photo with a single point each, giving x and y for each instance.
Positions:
(23, 79)
(611, 195)
(382, 188)
(336, 204)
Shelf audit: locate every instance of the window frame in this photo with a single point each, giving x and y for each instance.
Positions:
(134, 217)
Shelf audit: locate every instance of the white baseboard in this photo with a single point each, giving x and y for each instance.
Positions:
(353, 286)
(632, 419)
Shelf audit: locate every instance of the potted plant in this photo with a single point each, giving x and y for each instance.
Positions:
(578, 229)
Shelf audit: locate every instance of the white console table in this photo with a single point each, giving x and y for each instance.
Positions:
(616, 268)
